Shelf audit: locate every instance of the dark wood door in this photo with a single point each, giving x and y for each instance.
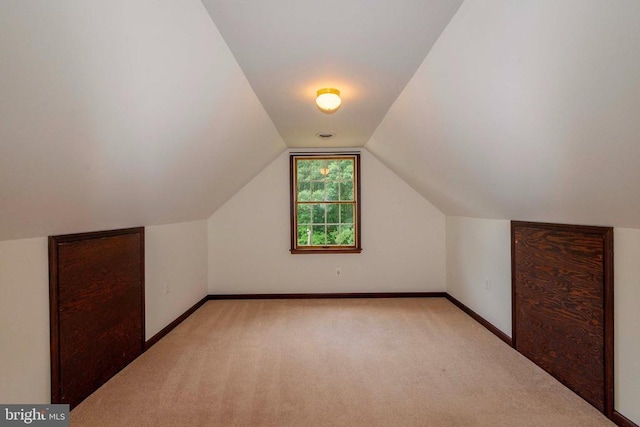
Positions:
(563, 305)
(97, 309)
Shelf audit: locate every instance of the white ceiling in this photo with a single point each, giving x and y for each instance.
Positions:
(367, 49)
(136, 112)
(526, 110)
(120, 114)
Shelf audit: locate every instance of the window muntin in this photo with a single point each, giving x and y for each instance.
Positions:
(325, 210)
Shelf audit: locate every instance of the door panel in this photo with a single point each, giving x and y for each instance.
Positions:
(97, 309)
(563, 305)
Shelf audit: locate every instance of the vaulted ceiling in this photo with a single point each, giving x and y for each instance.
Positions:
(121, 113)
(525, 110)
(125, 113)
(367, 49)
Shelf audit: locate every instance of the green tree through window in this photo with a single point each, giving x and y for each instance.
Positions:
(325, 203)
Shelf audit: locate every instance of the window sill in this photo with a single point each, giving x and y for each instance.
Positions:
(325, 251)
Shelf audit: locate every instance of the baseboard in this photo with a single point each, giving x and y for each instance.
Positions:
(617, 417)
(621, 420)
(331, 295)
(497, 332)
(157, 337)
(460, 305)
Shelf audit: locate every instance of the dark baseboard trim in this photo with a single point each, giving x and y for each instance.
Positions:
(331, 295)
(157, 337)
(504, 337)
(617, 417)
(621, 420)
(497, 332)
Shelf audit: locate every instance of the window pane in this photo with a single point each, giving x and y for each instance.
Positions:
(317, 191)
(346, 213)
(303, 169)
(324, 200)
(332, 234)
(318, 214)
(334, 170)
(316, 167)
(304, 214)
(346, 235)
(333, 213)
(318, 236)
(346, 170)
(346, 190)
(304, 191)
(332, 190)
(304, 234)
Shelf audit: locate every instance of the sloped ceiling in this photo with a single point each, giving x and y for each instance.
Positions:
(525, 110)
(124, 113)
(121, 113)
(367, 49)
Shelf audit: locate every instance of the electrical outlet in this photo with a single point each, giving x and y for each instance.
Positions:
(167, 289)
(338, 272)
(487, 283)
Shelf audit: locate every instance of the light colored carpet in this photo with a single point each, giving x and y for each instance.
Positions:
(338, 362)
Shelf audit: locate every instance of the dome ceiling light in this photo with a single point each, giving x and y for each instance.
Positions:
(325, 135)
(328, 100)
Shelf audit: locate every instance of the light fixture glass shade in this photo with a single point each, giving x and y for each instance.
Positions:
(328, 100)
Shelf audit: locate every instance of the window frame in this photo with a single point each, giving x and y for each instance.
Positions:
(357, 203)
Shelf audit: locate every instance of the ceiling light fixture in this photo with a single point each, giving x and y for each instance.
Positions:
(325, 135)
(328, 100)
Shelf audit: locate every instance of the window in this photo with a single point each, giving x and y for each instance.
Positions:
(325, 203)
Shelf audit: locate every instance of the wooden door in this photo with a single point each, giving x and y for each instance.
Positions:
(97, 309)
(562, 282)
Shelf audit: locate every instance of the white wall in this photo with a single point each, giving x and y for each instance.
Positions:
(24, 321)
(403, 240)
(479, 250)
(176, 271)
(627, 322)
(175, 254)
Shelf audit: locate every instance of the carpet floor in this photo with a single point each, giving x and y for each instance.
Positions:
(333, 362)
